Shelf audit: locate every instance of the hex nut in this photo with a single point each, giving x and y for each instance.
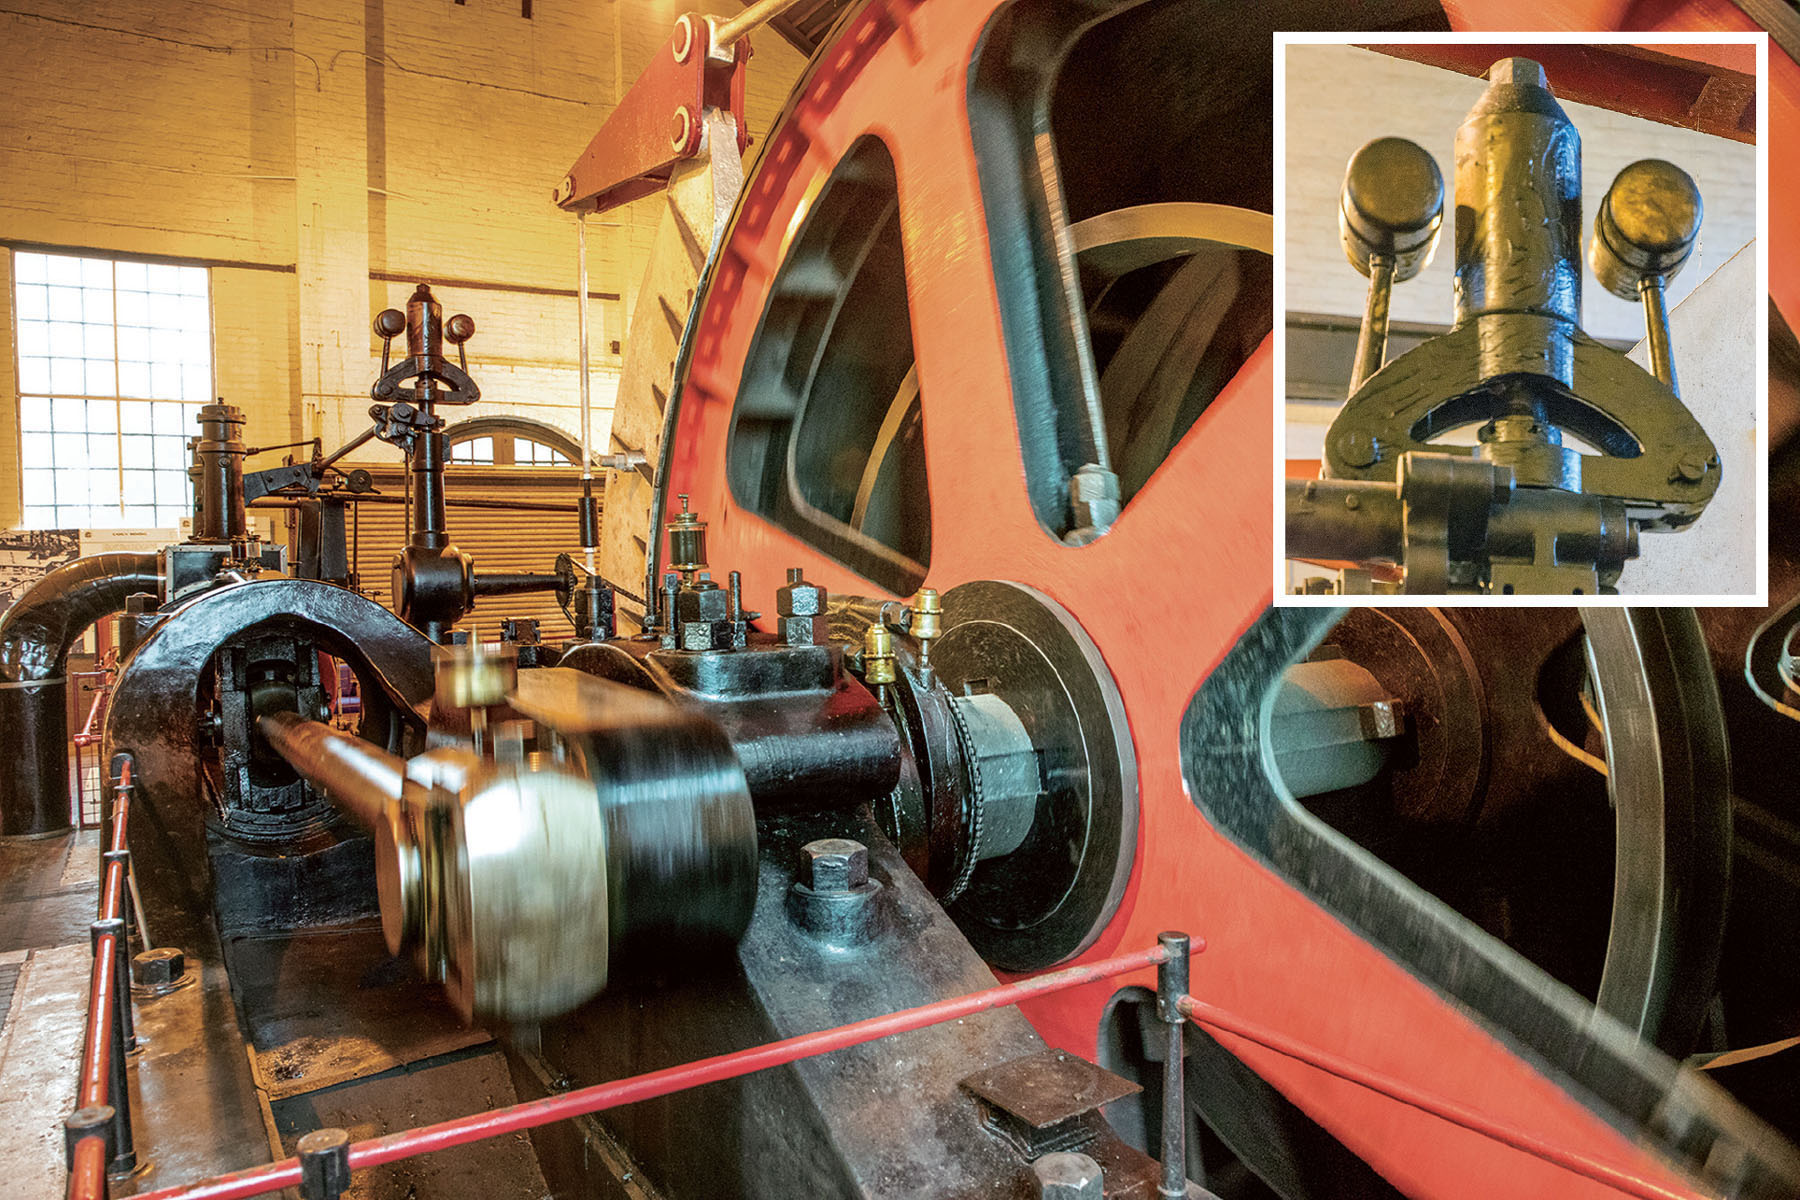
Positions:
(705, 635)
(802, 631)
(1094, 497)
(834, 865)
(797, 598)
(702, 604)
(1092, 484)
(159, 969)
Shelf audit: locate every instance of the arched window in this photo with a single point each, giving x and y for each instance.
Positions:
(510, 442)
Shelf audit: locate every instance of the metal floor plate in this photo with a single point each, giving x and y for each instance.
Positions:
(452, 1085)
(331, 1005)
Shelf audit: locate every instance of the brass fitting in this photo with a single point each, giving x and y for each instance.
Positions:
(926, 622)
(878, 656)
(687, 542)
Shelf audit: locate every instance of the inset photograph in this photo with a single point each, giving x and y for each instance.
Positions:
(1525, 346)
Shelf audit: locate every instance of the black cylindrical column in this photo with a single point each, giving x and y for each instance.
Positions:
(590, 516)
(426, 469)
(34, 789)
(219, 511)
(35, 636)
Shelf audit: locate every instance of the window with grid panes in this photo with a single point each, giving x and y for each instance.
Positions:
(476, 451)
(115, 360)
(488, 451)
(527, 452)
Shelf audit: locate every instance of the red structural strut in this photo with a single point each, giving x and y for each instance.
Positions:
(501, 1121)
(1217, 1019)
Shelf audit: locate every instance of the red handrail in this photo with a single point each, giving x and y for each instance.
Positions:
(516, 1118)
(260, 1181)
(87, 1168)
(89, 735)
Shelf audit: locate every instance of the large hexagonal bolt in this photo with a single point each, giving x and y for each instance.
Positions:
(834, 899)
(800, 611)
(834, 866)
(1064, 1176)
(160, 970)
(703, 616)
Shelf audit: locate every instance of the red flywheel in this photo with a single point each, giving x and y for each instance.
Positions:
(895, 127)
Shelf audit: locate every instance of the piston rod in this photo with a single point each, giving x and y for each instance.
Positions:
(360, 778)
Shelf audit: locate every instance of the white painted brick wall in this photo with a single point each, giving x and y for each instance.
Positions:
(294, 135)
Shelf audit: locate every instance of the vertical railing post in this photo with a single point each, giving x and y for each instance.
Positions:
(80, 789)
(1171, 986)
(108, 934)
(125, 1018)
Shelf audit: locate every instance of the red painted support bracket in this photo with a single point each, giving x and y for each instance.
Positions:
(659, 121)
(1707, 87)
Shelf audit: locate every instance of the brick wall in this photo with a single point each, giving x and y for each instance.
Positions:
(312, 151)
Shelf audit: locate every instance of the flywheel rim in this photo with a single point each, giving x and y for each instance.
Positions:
(1672, 807)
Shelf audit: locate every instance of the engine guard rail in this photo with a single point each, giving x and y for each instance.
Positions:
(98, 1133)
(516, 1118)
(499, 1122)
(89, 736)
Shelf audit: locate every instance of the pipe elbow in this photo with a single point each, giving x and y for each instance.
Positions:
(38, 630)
